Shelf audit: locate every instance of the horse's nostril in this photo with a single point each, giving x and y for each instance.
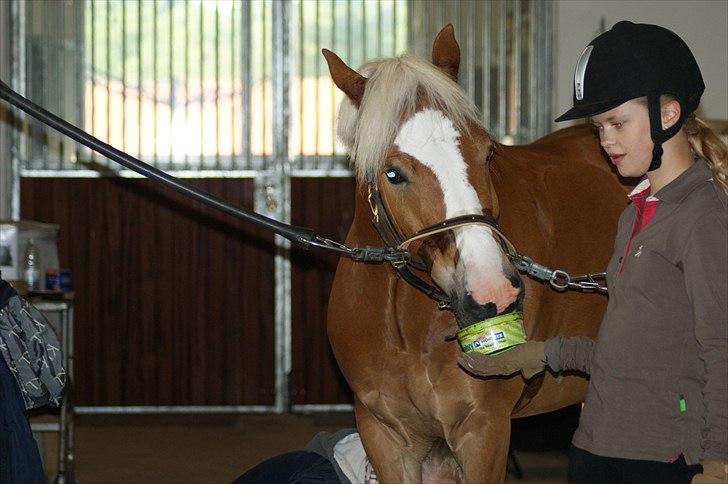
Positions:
(515, 281)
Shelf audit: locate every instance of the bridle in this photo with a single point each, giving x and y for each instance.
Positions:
(382, 221)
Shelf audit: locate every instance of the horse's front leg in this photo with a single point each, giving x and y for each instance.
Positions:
(395, 459)
(480, 445)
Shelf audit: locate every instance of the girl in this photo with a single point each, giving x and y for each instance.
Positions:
(657, 401)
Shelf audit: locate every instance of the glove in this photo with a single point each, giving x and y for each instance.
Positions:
(714, 472)
(528, 358)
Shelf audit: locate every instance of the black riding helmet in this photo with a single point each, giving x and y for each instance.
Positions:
(636, 60)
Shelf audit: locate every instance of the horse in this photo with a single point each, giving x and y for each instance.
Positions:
(421, 154)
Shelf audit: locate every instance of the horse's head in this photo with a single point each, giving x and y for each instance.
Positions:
(416, 140)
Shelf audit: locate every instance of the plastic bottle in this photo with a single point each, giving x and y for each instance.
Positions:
(31, 266)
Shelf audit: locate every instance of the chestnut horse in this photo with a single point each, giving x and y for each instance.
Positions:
(415, 138)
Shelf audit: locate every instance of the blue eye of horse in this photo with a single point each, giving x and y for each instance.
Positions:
(394, 177)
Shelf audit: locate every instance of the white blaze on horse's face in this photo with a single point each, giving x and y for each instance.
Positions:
(430, 137)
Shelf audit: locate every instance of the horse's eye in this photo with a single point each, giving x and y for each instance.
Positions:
(394, 176)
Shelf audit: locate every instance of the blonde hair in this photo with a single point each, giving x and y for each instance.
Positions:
(707, 144)
(704, 142)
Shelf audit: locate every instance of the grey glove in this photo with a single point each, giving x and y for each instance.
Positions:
(528, 358)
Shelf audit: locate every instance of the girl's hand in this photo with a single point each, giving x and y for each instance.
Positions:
(528, 358)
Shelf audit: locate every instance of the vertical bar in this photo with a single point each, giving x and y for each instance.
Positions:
(332, 90)
(187, 79)
(264, 77)
(379, 28)
(60, 81)
(245, 63)
(516, 63)
(502, 106)
(171, 95)
(80, 74)
(364, 29)
(280, 150)
(123, 75)
(202, 86)
(411, 22)
(42, 130)
(108, 74)
(487, 48)
(17, 27)
(233, 164)
(470, 42)
(92, 65)
(301, 82)
(217, 85)
(317, 100)
(140, 78)
(155, 75)
(395, 4)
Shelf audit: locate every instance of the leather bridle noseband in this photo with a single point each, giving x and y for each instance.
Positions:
(382, 221)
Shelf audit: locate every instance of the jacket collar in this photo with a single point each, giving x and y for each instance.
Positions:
(698, 173)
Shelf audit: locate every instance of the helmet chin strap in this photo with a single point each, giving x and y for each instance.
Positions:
(658, 134)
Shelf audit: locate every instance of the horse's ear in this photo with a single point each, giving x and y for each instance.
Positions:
(345, 78)
(446, 52)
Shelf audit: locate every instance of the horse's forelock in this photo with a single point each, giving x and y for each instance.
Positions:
(391, 96)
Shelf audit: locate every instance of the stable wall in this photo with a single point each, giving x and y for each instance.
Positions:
(703, 24)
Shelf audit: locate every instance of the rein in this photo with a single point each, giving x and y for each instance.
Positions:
(394, 251)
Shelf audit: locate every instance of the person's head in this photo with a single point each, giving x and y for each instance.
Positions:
(648, 74)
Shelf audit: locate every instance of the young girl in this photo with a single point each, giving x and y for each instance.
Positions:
(657, 401)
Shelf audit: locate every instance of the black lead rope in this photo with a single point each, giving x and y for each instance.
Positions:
(304, 237)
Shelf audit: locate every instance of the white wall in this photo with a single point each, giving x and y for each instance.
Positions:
(702, 24)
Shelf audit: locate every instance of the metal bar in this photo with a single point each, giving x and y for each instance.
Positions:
(171, 96)
(323, 407)
(155, 75)
(108, 73)
(516, 67)
(246, 78)
(502, 87)
(217, 84)
(282, 263)
(317, 80)
(123, 75)
(301, 77)
(80, 77)
(187, 78)
(140, 78)
(185, 174)
(202, 85)
(174, 409)
(233, 91)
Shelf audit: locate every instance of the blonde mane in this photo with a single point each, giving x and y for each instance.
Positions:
(392, 90)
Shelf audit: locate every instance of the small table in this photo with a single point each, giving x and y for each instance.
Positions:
(62, 311)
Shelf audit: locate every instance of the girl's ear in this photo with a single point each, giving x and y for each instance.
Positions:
(670, 113)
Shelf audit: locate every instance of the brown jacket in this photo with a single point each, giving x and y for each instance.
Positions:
(659, 366)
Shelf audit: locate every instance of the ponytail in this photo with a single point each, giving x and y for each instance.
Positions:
(707, 144)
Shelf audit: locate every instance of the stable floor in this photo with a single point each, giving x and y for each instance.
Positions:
(194, 449)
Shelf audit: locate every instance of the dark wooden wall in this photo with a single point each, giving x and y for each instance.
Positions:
(174, 301)
(327, 206)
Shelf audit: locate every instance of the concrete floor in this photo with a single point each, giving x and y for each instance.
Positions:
(194, 449)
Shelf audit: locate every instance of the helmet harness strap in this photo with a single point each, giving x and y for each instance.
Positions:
(658, 134)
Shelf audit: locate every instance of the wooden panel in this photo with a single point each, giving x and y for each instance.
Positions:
(174, 300)
(327, 206)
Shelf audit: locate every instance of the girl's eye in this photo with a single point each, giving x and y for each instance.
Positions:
(617, 125)
(394, 176)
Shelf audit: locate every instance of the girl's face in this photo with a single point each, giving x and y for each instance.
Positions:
(624, 133)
